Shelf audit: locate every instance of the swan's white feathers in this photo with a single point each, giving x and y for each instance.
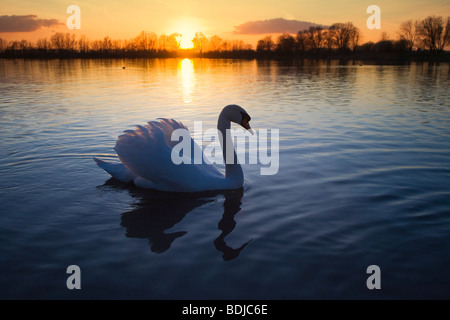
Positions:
(116, 170)
(167, 126)
(146, 152)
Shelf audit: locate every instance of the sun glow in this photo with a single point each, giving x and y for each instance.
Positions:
(186, 41)
(187, 27)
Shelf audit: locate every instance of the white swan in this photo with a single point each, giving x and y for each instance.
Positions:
(145, 155)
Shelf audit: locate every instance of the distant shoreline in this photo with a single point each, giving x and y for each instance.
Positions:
(390, 58)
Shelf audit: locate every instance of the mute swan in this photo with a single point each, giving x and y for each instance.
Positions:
(145, 155)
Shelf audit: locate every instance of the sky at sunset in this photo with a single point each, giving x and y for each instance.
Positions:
(125, 19)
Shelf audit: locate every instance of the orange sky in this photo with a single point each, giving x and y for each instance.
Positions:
(123, 20)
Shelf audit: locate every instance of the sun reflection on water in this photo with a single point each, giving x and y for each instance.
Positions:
(186, 73)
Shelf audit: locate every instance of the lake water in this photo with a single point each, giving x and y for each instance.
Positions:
(364, 179)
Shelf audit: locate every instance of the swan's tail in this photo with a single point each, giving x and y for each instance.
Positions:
(116, 169)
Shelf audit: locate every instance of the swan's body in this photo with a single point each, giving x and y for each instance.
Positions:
(145, 155)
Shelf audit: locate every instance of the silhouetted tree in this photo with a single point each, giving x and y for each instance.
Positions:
(43, 44)
(13, 45)
(163, 40)
(384, 36)
(97, 45)
(57, 40)
(314, 38)
(25, 46)
(173, 43)
(239, 45)
(128, 45)
(117, 45)
(408, 33)
(328, 39)
(106, 45)
(146, 41)
(345, 35)
(83, 44)
(301, 43)
(433, 34)
(285, 43)
(266, 45)
(70, 41)
(215, 43)
(63, 42)
(200, 42)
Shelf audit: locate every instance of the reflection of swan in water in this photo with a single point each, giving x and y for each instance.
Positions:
(157, 212)
(232, 205)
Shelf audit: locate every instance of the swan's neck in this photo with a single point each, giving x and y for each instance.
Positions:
(233, 170)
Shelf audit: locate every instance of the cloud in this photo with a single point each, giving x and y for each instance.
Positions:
(278, 25)
(25, 23)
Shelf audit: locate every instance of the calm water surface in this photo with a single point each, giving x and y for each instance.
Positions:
(363, 180)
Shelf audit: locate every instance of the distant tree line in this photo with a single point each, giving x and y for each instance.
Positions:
(430, 36)
(146, 44)
(340, 36)
(426, 38)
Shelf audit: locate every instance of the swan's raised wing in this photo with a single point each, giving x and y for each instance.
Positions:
(147, 153)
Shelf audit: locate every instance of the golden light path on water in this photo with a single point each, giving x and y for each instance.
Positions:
(186, 73)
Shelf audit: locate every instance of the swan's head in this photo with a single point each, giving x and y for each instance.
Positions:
(237, 114)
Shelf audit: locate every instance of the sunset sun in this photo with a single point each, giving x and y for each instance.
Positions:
(187, 27)
(186, 40)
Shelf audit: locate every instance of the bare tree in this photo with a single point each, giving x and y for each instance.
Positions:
(3, 45)
(97, 45)
(146, 41)
(286, 43)
(57, 40)
(83, 44)
(128, 45)
(345, 35)
(384, 36)
(173, 43)
(215, 43)
(239, 45)
(301, 41)
(43, 44)
(433, 34)
(328, 37)
(61, 41)
(225, 46)
(266, 44)
(200, 41)
(117, 45)
(314, 38)
(106, 45)
(408, 33)
(70, 41)
(163, 40)
(25, 45)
